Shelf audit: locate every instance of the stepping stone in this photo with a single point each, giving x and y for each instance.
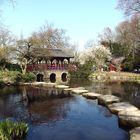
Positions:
(61, 86)
(129, 118)
(108, 99)
(79, 91)
(135, 134)
(91, 95)
(67, 89)
(82, 88)
(122, 106)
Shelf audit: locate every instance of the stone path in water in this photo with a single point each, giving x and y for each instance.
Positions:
(128, 114)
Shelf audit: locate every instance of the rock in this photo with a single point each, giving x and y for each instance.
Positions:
(122, 106)
(61, 86)
(91, 95)
(67, 91)
(82, 88)
(79, 91)
(129, 118)
(108, 99)
(135, 134)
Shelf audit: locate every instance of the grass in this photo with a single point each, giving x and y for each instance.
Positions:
(10, 130)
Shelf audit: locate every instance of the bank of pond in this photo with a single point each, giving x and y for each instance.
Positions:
(60, 112)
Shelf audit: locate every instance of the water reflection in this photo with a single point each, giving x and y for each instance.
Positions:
(127, 91)
(57, 118)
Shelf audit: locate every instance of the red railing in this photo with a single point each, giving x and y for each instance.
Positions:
(33, 67)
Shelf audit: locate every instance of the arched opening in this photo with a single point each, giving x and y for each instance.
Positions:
(40, 77)
(53, 78)
(64, 77)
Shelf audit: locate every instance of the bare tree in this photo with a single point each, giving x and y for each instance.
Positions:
(129, 6)
(50, 37)
(7, 41)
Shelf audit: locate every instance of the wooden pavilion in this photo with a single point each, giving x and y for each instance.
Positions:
(51, 65)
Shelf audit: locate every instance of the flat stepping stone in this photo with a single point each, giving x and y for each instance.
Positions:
(67, 89)
(79, 91)
(129, 118)
(122, 106)
(61, 86)
(135, 134)
(82, 88)
(42, 84)
(108, 99)
(91, 95)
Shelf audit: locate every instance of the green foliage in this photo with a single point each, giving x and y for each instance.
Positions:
(83, 71)
(1, 82)
(28, 77)
(15, 77)
(12, 130)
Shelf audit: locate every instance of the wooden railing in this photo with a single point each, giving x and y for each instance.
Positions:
(33, 67)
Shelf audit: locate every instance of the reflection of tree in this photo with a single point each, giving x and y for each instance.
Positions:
(31, 94)
(132, 93)
(44, 104)
(49, 110)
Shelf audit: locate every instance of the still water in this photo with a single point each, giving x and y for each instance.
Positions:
(53, 117)
(127, 91)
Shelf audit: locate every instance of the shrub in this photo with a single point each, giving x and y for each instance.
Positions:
(83, 71)
(28, 77)
(12, 130)
(1, 82)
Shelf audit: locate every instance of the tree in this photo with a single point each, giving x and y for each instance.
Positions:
(23, 53)
(129, 6)
(97, 57)
(7, 41)
(33, 49)
(50, 37)
(128, 33)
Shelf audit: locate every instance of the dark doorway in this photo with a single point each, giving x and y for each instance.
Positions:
(40, 77)
(64, 77)
(53, 78)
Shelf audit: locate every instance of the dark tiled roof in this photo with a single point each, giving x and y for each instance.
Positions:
(43, 52)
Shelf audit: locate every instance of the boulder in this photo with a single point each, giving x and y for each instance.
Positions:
(129, 118)
(121, 106)
(135, 134)
(91, 95)
(61, 86)
(79, 91)
(108, 99)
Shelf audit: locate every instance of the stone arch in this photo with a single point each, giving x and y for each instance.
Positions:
(40, 77)
(64, 77)
(52, 77)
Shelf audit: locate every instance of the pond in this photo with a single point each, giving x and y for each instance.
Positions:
(127, 91)
(53, 117)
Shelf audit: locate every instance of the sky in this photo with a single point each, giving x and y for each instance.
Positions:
(82, 20)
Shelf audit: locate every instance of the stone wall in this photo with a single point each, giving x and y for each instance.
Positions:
(57, 74)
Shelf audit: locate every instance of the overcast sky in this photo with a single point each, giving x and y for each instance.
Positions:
(82, 19)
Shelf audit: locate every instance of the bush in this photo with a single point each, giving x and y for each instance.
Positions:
(83, 71)
(1, 83)
(28, 77)
(15, 77)
(12, 130)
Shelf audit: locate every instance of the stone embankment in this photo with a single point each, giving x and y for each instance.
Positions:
(129, 115)
(115, 76)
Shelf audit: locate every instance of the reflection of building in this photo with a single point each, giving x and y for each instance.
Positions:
(52, 66)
